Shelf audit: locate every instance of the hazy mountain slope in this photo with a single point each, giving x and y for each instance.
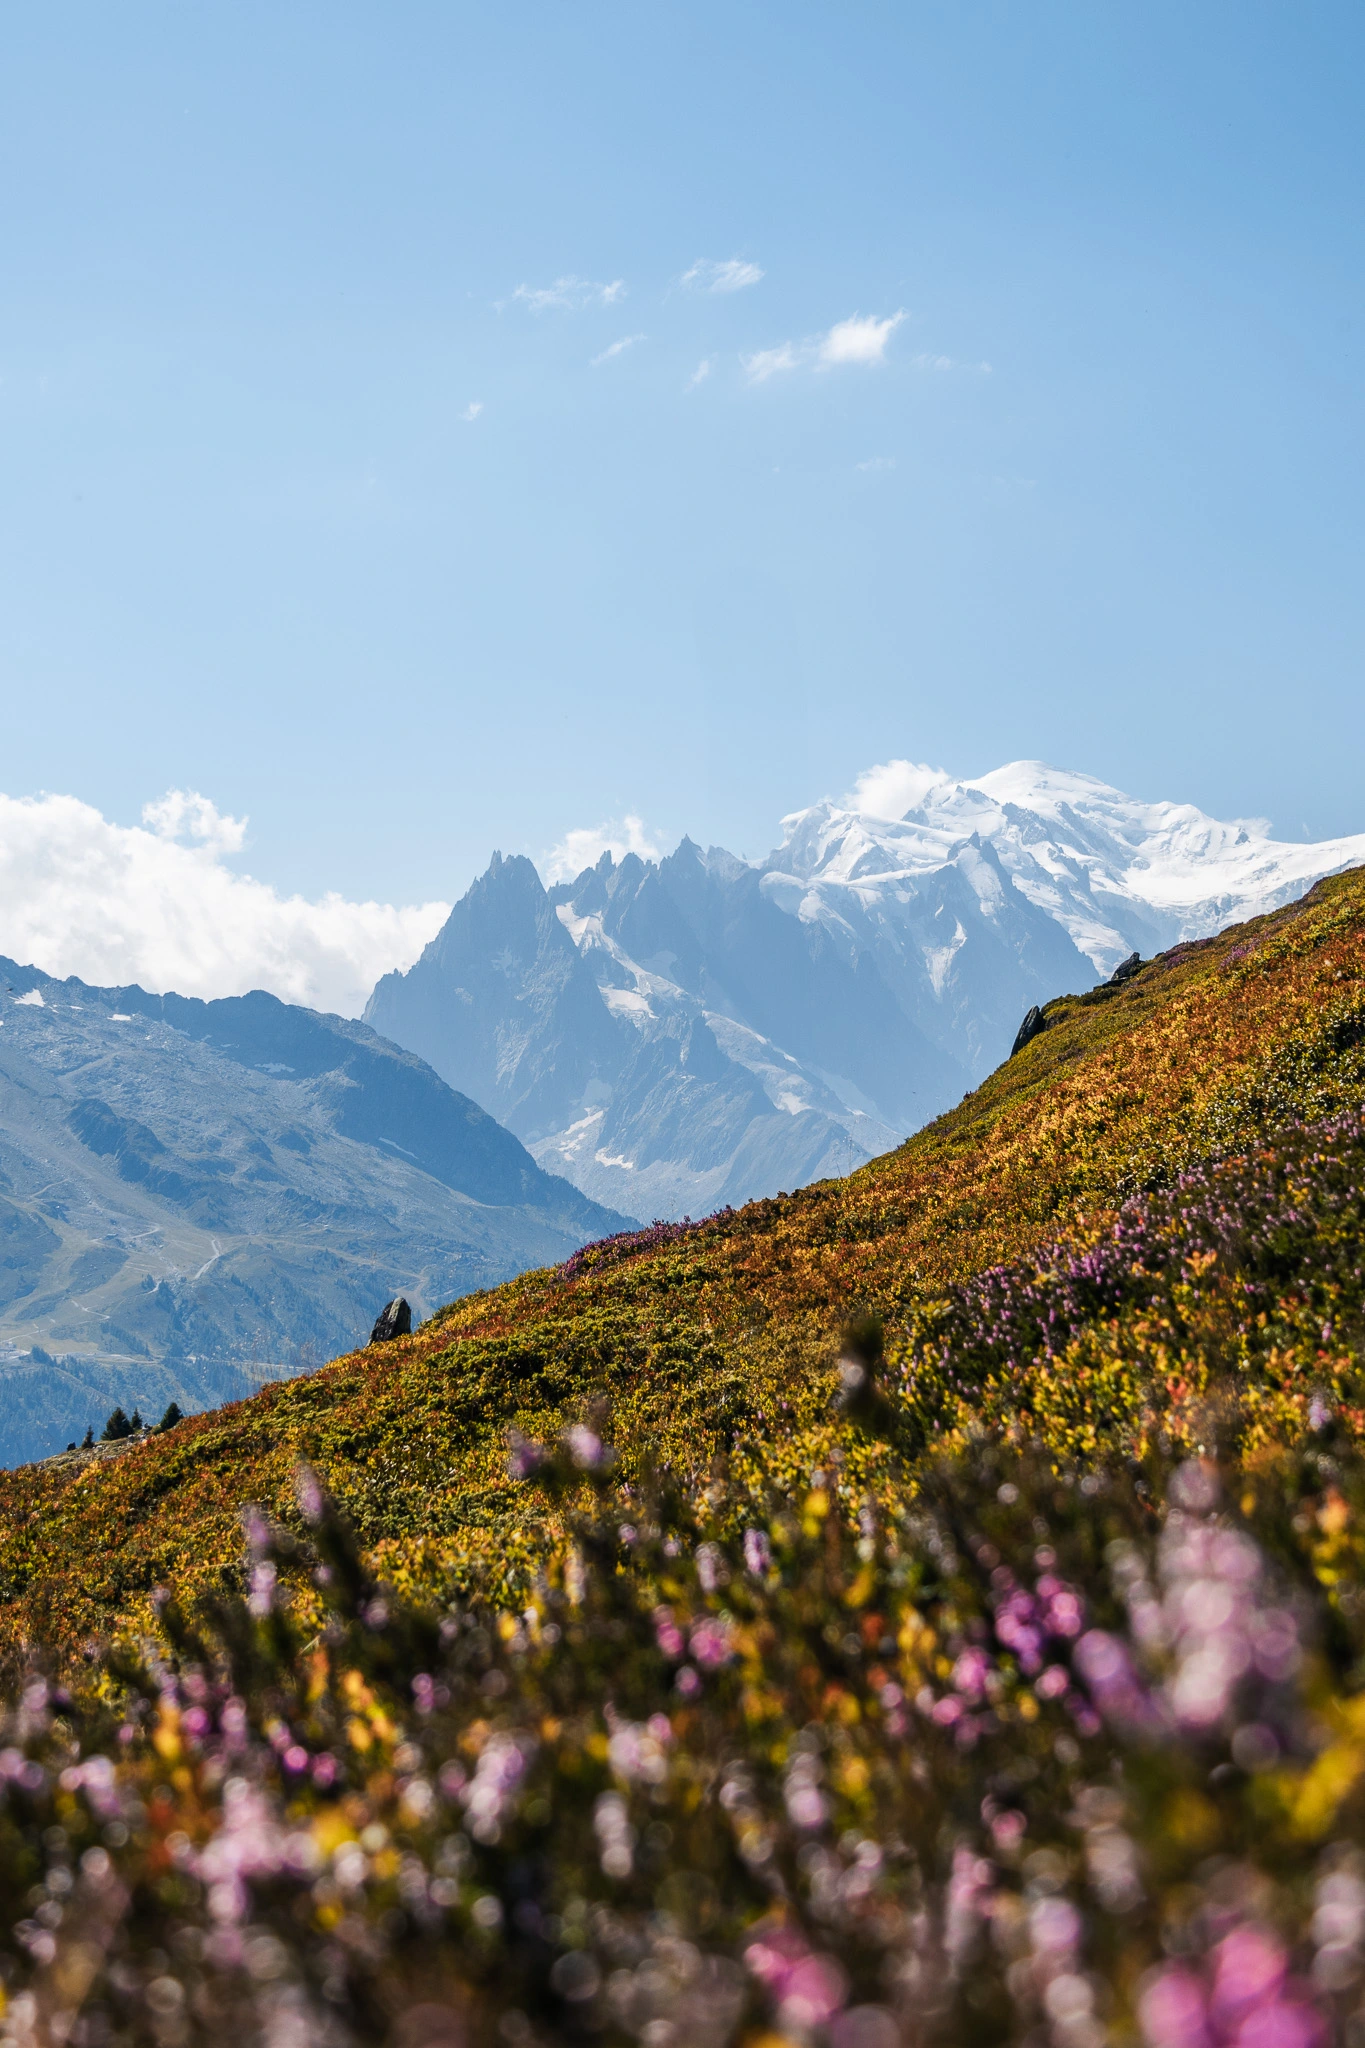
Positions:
(727, 1332)
(618, 1075)
(195, 1196)
(854, 984)
(501, 999)
(704, 923)
(964, 950)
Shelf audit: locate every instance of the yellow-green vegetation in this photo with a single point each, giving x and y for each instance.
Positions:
(727, 1334)
(921, 1612)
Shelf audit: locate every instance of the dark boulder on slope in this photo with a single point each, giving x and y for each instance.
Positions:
(1028, 1030)
(395, 1320)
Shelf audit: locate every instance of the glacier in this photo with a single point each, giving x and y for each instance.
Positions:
(677, 1033)
(1119, 875)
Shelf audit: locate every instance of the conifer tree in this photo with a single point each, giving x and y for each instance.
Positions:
(116, 1428)
(173, 1414)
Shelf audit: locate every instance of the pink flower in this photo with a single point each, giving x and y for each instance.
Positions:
(815, 1989)
(773, 1954)
(490, 1796)
(710, 1567)
(636, 1752)
(452, 1778)
(710, 1644)
(1281, 2025)
(262, 1595)
(807, 1988)
(1065, 1614)
(971, 1672)
(248, 1844)
(1055, 1926)
(308, 1493)
(970, 1892)
(585, 1447)
(667, 1634)
(805, 1800)
(1171, 2010)
(523, 1457)
(1008, 1829)
(1103, 1663)
(1249, 1969)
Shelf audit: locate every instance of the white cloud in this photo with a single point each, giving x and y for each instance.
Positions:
(184, 814)
(894, 787)
(770, 361)
(877, 462)
(473, 409)
(569, 294)
(617, 348)
(734, 275)
(701, 373)
(155, 904)
(584, 847)
(855, 340)
(928, 362)
(858, 340)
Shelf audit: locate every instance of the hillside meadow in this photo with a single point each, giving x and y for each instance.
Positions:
(695, 1340)
(923, 1609)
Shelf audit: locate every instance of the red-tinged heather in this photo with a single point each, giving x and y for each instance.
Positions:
(661, 1668)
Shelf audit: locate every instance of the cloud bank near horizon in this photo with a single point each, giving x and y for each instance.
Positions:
(157, 904)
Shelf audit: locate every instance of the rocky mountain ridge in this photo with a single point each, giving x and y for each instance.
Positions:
(678, 1034)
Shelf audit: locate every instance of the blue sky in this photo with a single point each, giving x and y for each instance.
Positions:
(1094, 496)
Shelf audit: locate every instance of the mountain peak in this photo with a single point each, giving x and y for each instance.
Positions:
(512, 870)
(1114, 871)
(851, 985)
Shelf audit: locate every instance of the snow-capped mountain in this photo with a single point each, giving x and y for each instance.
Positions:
(1117, 874)
(677, 1034)
(612, 1022)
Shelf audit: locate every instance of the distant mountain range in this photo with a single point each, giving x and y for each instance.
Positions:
(675, 1035)
(198, 1196)
(195, 1196)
